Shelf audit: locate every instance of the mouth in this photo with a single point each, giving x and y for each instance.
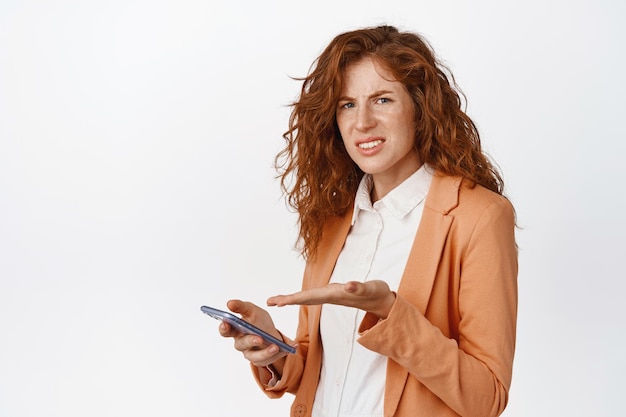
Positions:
(370, 144)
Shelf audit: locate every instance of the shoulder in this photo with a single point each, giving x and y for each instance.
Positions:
(478, 198)
(476, 216)
(455, 196)
(470, 208)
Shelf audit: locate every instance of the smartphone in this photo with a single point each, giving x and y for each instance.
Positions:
(247, 328)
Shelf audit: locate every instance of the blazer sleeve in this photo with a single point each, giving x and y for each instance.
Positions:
(469, 371)
(292, 372)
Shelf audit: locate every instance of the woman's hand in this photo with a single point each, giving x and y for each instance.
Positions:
(372, 296)
(253, 347)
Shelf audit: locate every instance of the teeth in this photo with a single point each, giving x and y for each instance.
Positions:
(370, 145)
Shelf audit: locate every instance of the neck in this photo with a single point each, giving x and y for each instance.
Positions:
(384, 183)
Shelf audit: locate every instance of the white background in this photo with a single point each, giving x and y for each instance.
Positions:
(136, 184)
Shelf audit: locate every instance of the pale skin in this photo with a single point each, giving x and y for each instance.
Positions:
(376, 119)
(375, 116)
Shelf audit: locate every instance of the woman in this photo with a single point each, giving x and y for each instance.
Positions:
(409, 296)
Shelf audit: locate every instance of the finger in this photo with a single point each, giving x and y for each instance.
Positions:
(249, 342)
(312, 296)
(244, 308)
(354, 287)
(264, 356)
(302, 297)
(367, 289)
(235, 305)
(278, 300)
(225, 329)
(283, 300)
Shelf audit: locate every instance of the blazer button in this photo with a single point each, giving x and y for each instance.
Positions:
(299, 410)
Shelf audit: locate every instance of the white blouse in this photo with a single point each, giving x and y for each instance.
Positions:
(352, 381)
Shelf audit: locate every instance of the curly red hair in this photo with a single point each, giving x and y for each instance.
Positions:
(316, 173)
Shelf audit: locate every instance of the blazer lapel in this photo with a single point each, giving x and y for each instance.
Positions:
(333, 238)
(322, 268)
(421, 268)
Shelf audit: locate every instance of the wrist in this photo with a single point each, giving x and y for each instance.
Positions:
(387, 305)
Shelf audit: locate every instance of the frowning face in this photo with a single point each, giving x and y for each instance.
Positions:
(376, 119)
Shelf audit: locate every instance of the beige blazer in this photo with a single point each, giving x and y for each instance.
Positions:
(450, 336)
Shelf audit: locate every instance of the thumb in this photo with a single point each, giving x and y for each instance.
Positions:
(242, 307)
(354, 287)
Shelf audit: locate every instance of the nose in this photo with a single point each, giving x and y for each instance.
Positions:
(365, 118)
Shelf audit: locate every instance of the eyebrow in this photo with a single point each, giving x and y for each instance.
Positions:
(374, 94)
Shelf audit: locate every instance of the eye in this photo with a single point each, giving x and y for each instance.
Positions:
(347, 105)
(383, 100)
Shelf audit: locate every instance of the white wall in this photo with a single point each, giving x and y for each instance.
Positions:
(136, 143)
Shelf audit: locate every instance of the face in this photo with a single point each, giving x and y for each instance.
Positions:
(376, 120)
